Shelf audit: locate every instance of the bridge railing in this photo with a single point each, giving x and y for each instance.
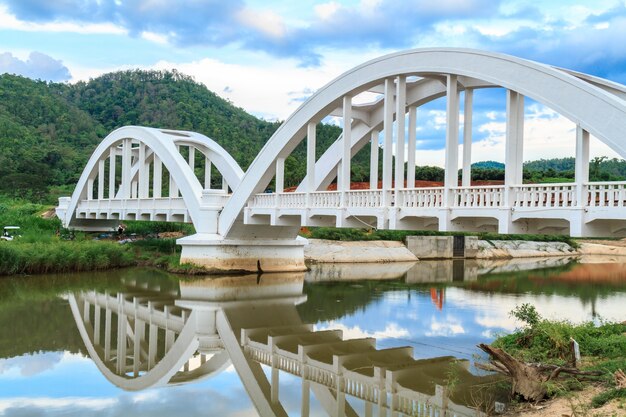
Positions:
(364, 198)
(561, 195)
(545, 195)
(485, 196)
(325, 199)
(606, 194)
(430, 197)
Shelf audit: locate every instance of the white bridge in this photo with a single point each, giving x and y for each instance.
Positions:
(146, 337)
(139, 173)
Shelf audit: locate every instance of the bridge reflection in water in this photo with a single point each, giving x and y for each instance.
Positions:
(148, 336)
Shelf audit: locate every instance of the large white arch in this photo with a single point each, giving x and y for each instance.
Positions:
(595, 105)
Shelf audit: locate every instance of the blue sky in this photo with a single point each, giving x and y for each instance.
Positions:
(265, 55)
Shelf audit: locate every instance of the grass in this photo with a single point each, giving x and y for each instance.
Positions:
(348, 234)
(602, 347)
(45, 257)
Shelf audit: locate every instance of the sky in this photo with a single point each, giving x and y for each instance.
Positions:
(269, 56)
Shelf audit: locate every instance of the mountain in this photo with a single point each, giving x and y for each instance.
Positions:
(49, 130)
(488, 165)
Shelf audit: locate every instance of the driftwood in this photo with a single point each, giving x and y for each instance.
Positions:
(620, 379)
(529, 379)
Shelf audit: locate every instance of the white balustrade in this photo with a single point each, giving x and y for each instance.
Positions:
(545, 195)
(606, 194)
(485, 196)
(263, 201)
(291, 200)
(431, 197)
(364, 198)
(325, 199)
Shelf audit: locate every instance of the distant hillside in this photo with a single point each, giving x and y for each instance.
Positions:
(488, 165)
(49, 130)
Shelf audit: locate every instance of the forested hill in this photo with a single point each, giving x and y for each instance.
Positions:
(49, 130)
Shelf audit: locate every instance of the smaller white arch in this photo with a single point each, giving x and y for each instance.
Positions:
(163, 144)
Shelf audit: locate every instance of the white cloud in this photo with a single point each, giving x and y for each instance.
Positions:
(155, 37)
(326, 10)
(265, 21)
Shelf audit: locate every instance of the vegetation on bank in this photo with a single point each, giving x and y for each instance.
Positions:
(548, 342)
(350, 234)
(45, 247)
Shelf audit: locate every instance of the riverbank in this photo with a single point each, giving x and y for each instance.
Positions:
(383, 251)
(589, 380)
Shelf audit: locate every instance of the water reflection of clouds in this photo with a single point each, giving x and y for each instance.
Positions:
(392, 330)
(29, 365)
(450, 326)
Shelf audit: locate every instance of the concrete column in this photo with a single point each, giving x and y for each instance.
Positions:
(374, 160)
(144, 177)
(388, 144)
(224, 185)
(452, 140)
(310, 156)
(107, 334)
(513, 163)
(306, 398)
(140, 329)
(207, 173)
(126, 167)
(90, 182)
(192, 158)
(153, 334)
(581, 165)
(347, 142)
(96, 324)
(112, 156)
(339, 175)
(280, 174)
(275, 383)
(467, 137)
(101, 179)
(410, 168)
(173, 189)
(400, 129)
(157, 177)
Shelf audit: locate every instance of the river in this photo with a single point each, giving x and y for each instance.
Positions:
(142, 342)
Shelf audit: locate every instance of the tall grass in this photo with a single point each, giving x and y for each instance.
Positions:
(42, 257)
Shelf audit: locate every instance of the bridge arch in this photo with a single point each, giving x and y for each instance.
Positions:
(596, 105)
(159, 147)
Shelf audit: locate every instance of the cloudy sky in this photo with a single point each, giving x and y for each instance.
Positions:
(268, 56)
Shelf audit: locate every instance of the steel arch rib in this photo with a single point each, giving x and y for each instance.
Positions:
(596, 110)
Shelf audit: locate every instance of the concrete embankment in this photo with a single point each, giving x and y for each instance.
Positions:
(319, 250)
(330, 251)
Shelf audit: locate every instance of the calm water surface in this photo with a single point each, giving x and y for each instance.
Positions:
(143, 343)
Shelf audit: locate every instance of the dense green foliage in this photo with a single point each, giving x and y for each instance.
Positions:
(49, 130)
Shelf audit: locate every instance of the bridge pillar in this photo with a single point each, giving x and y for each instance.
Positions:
(219, 254)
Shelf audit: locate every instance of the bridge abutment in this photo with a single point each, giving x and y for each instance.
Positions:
(218, 254)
